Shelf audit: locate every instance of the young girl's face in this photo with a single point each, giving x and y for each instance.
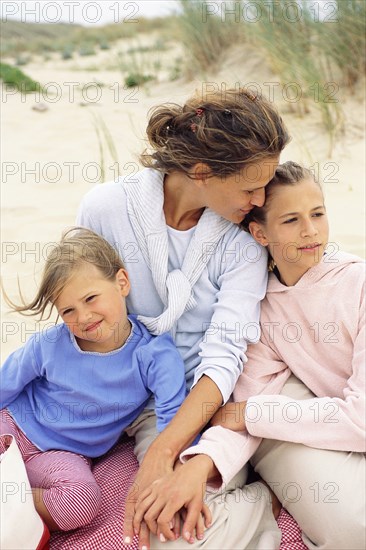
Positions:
(94, 308)
(296, 229)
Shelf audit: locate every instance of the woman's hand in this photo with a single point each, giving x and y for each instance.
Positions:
(230, 416)
(184, 488)
(156, 464)
(162, 453)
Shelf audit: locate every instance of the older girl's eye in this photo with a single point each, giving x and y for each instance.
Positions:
(90, 298)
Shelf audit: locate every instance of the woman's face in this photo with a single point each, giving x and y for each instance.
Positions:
(296, 229)
(232, 197)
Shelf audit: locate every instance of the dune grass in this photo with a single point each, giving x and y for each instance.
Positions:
(288, 43)
(316, 47)
(18, 37)
(106, 146)
(341, 41)
(204, 35)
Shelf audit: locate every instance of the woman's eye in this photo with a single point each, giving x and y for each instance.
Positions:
(318, 214)
(290, 220)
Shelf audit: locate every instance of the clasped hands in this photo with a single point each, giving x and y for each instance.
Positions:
(163, 494)
(160, 506)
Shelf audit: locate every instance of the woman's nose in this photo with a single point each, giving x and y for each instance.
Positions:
(258, 198)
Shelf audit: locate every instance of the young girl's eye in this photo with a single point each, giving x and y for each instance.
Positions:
(66, 312)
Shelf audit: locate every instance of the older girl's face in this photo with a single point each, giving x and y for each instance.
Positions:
(233, 197)
(296, 229)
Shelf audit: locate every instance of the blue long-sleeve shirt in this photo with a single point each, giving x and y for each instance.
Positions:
(64, 398)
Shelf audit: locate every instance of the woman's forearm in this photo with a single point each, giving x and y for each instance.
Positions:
(195, 412)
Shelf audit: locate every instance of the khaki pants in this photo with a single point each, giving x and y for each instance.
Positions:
(143, 429)
(242, 515)
(324, 490)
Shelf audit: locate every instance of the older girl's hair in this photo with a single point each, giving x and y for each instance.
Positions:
(78, 246)
(288, 173)
(225, 130)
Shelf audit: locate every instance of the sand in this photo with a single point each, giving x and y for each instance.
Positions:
(50, 159)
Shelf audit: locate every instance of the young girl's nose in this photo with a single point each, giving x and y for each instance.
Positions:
(84, 315)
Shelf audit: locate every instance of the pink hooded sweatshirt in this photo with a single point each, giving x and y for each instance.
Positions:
(315, 330)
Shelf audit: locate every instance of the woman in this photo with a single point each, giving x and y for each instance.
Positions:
(176, 226)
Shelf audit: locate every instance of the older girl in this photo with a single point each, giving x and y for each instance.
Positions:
(313, 328)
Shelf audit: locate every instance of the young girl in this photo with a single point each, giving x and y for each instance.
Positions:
(194, 271)
(313, 328)
(71, 391)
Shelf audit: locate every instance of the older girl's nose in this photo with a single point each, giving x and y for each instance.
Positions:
(309, 228)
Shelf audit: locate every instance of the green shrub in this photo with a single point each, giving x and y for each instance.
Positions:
(175, 71)
(22, 60)
(104, 46)
(86, 49)
(137, 79)
(15, 77)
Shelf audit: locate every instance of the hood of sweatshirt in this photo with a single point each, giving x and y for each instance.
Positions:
(331, 265)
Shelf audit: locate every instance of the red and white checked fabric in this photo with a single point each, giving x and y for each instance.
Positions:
(114, 474)
(291, 532)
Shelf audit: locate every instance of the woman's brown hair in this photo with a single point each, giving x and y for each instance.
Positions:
(225, 130)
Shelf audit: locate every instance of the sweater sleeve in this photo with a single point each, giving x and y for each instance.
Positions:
(263, 373)
(18, 370)
(322, 422)
(165, 377)
(235, 321)
(229, 450)
(88, 214)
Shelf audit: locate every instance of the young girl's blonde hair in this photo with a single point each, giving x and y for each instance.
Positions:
(78, 247)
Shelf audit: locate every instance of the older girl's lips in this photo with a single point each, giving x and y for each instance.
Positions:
(310, 246)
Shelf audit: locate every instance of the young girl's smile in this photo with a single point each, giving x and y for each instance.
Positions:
(296, 228)
(94, 309)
